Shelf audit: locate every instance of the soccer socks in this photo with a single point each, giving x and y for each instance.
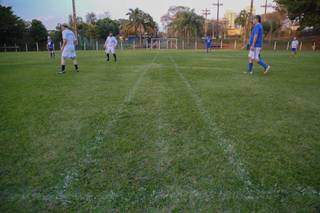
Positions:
(108, 57)
(115, 57)
(250, 66)
(263, 64)
(63, 68)
(76, 67)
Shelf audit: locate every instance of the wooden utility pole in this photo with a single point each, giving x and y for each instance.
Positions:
(266, 6)
(218, 5)
(249, 23)
(74, 18)
(205, 13)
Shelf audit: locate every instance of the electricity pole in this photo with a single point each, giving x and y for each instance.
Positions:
(74, 18)
(266, 6)
(205, 13)
(249, 22)
(218, 5)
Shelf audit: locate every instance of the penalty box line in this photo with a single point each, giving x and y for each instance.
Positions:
(73, 174)
(229, 149)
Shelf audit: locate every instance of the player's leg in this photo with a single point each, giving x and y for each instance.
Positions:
(260, 61)
(114, 54)
(108, 53)
(63, 65)
(75, 64)
(250, 63)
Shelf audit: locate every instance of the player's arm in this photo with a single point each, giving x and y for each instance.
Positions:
(254, 41)
(115, 42)
(63, 44)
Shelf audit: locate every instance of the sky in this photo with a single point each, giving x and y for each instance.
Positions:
(51, 12)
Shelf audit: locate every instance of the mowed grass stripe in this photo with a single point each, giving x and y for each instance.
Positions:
(89, 160)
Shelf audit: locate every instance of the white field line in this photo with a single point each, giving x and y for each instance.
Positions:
(73, 174)
(161, 142)
(215, 132)
(229, 150)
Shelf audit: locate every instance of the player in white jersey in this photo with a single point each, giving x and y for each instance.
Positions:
(110, 46)
(294, 46)
(68, 48)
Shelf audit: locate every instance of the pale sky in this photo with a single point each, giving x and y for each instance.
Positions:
(51, 12)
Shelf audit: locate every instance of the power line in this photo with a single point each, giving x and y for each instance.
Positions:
(266, 6)
(218, 5)
(205, 13)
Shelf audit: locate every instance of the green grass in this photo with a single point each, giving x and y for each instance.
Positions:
(160, 131)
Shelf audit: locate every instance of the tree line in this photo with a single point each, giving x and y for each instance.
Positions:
(179, 21)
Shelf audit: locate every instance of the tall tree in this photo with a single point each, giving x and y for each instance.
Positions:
(91, 18)
(106, 25)
(141, 22)
(188, 23)
(38, 31)
(242, 18)
(307, 12)
(12, 27)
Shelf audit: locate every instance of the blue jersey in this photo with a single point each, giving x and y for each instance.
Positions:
(208, 42)
(257, 31)
(50, 45)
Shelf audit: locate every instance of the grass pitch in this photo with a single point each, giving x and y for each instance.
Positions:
(167, 130)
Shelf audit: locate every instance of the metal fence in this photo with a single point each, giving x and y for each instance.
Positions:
(164, 43)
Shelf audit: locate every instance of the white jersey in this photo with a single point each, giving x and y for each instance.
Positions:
(69, 50)
(111, 42)
(295, 44)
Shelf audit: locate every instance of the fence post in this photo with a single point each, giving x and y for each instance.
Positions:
(167, 44)
(176, 43)
(235, 44)
(196, 44)
(37, 46)
(121, 45)
(15, 46)
(26, 47)
(314, 46)
(159, 45)
(97, 46)
(221, 44)
(288, 45)
(84, 46)
(301, 46)
(183, 44)
(134, 44)
(275, 45)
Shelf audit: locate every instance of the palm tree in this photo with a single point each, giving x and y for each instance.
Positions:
(189, 23)
(140, 22)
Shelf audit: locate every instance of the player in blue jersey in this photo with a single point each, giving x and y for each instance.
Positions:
(208, 43)
(50, 47)
(256, 42)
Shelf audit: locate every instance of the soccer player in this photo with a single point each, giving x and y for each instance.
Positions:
(50, 47)
(256, 40)
(208, 43)
(294, 46)
(68, 48)
(110, 46)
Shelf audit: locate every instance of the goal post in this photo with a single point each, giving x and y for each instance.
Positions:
(164, 43)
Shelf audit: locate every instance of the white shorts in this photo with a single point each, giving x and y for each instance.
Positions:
(255, 54)
(111, 50)
(69, 52)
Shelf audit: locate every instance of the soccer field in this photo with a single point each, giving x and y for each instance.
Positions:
(160, 130)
